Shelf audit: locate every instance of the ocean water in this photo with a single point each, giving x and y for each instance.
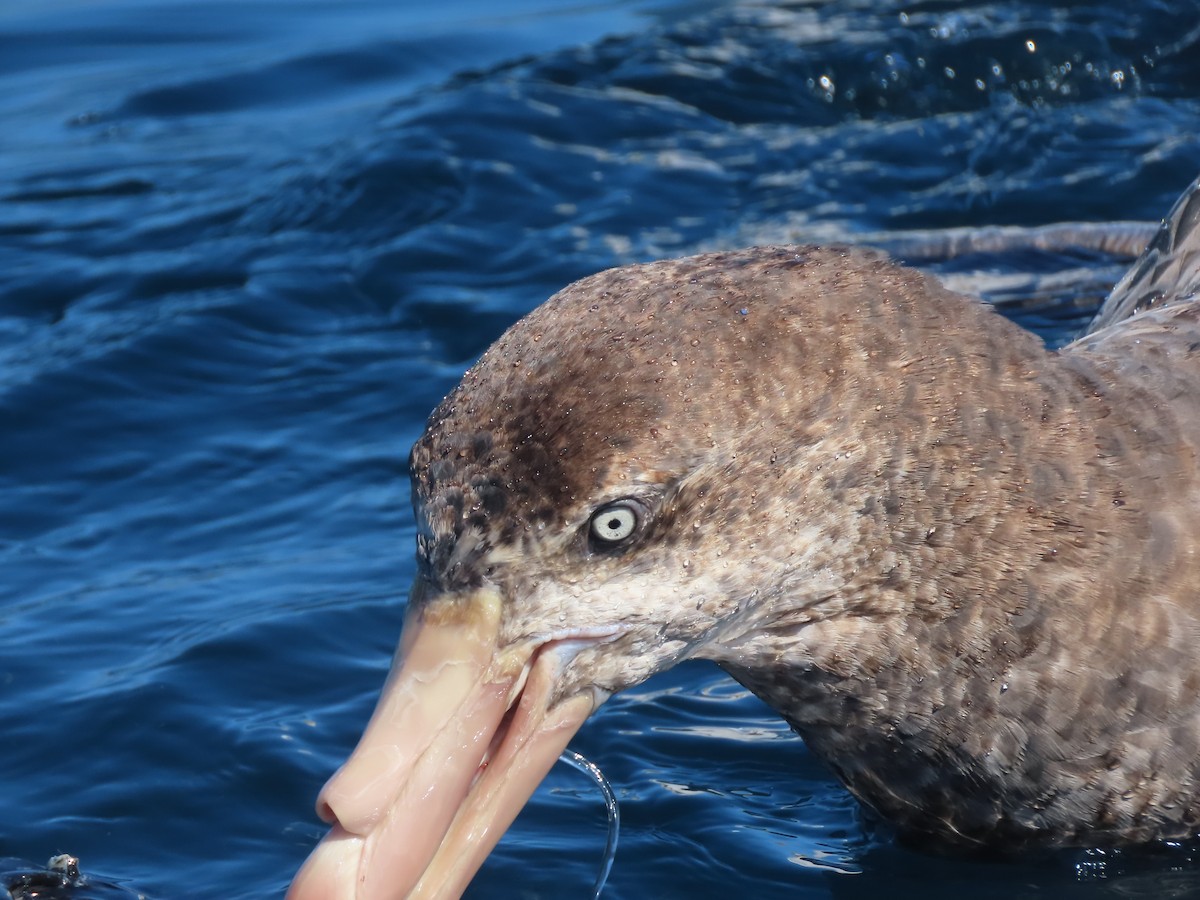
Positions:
(246, 247)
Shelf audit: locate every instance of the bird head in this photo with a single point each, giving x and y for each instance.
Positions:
(611, 489)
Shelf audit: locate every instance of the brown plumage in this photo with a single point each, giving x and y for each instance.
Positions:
(965, 569)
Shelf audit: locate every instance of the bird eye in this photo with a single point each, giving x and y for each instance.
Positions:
(614, 523)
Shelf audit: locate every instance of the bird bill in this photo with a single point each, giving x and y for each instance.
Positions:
(463, 733)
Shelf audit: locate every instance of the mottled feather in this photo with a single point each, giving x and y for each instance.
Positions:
(964, 568)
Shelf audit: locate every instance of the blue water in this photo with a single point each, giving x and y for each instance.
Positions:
(245, 248)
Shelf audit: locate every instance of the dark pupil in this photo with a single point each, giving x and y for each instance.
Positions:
(613, 524)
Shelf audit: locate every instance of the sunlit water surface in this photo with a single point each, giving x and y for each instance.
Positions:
(246, 247)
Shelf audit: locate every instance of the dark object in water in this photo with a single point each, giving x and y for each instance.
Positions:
(61, 879)
(964, 568)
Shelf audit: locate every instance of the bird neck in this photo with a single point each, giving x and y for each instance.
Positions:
(966, 521)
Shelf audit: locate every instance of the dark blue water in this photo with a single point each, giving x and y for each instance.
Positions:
(244, 249)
